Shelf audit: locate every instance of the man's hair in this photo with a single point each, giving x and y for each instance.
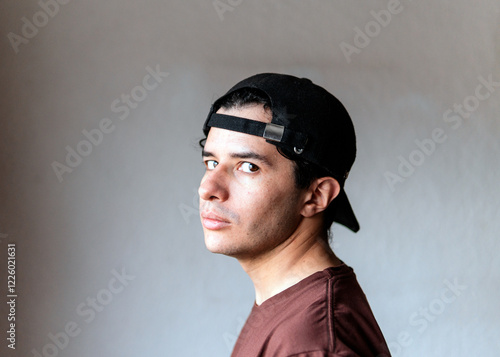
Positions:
(304, 172)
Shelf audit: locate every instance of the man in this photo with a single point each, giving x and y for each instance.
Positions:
(277, 152)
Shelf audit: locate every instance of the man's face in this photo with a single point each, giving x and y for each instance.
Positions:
(249, 204)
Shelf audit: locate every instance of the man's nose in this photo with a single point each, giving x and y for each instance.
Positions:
(213, 186)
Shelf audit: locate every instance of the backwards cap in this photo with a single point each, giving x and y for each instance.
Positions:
(307, 123)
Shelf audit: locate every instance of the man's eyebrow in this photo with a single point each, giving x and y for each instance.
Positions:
(242, 155)
(252, 155)
(205, 153)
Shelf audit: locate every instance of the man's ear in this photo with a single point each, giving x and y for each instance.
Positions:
(321, 193)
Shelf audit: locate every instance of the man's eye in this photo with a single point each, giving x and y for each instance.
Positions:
(211, 164)
(248, 167)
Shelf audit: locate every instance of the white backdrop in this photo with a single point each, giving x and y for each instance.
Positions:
(102, 105)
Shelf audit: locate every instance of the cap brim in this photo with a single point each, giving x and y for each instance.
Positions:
(344, 213)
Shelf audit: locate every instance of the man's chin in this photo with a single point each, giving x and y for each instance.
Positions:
(214, 242)
(217, 245)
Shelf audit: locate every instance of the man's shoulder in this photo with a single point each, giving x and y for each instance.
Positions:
(303, 318)
(325, 313)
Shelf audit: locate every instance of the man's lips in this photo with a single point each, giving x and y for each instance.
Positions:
(213, 222)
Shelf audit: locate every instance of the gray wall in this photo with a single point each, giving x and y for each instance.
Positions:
(424, 187)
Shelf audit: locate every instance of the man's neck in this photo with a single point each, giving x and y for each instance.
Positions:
(303, 254)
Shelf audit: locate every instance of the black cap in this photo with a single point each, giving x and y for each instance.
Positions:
(307, 123)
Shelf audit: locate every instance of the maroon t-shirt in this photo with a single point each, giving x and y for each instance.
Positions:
(325, 314)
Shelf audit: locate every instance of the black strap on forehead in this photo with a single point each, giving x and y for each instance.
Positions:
(269, 131)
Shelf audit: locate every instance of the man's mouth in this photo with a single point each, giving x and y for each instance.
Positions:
(213, 222)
